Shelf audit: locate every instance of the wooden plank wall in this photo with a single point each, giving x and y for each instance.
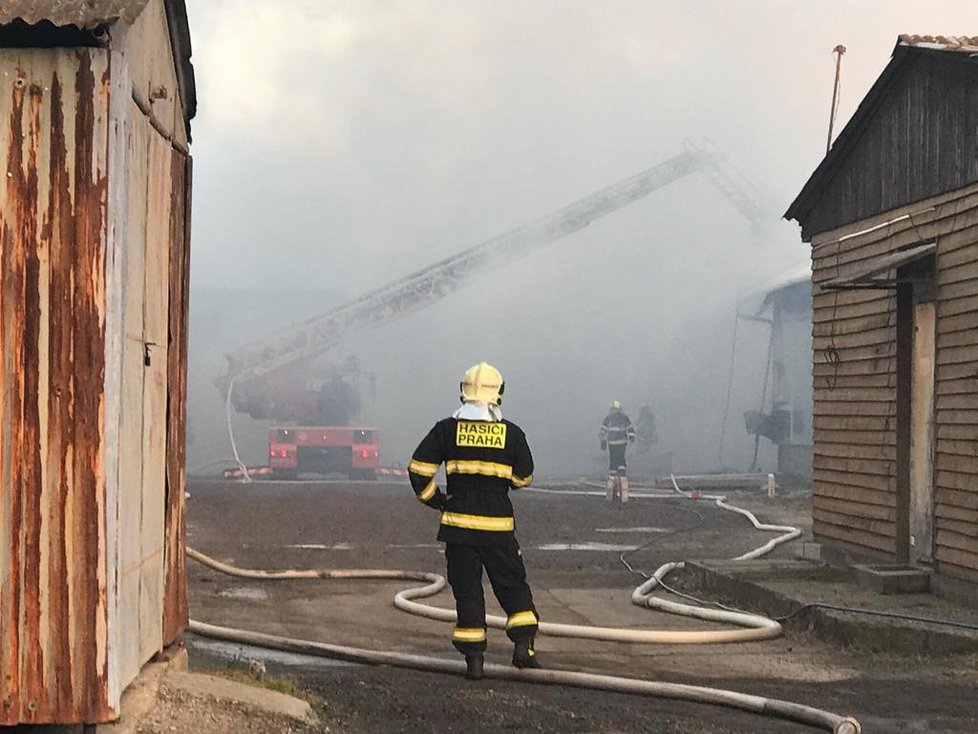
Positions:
(854, 335)
(956, 410)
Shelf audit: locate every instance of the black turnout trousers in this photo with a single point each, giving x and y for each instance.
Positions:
(507, 575)
(616, 457)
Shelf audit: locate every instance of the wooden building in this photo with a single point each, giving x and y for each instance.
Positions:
(892, 217)
(784, 305)
(95, 103)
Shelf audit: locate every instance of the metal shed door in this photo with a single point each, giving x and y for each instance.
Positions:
(143, 420)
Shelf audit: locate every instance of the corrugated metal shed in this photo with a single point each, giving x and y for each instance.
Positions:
(80, 13)
(94, 252)
(91, 14)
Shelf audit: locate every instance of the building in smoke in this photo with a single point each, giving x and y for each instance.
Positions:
(784, 414)
(95, 103)
(890, 214)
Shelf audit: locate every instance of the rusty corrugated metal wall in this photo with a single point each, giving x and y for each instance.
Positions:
(94, 250)
(53, 598)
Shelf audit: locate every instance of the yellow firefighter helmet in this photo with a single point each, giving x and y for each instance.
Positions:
(615, 405)
(482, 383)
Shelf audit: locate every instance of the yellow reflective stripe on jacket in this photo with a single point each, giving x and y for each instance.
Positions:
(423, 468)
(469, 634)
(485, 468)
(428, 492)
(521, 619)
(517, 482)
(618, 442)
(478, 522)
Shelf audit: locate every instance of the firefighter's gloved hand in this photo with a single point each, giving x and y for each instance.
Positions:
(438, 501)
(604, 445)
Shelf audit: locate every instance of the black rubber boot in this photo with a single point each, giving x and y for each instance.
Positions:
(474, 666)
(524, 656)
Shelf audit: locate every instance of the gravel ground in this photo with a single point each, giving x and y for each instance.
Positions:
(180, 711)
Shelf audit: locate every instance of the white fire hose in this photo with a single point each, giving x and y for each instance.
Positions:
(752, 627)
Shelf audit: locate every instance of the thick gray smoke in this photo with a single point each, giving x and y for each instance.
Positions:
(342, 145)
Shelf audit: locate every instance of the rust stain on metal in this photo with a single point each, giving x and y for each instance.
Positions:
(52, 258)
(30, 461)
(59, 388)
(54, 634)
(88, 374)
(11, 340)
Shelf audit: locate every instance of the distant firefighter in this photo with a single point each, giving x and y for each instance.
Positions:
(616, 433)
(646, 437)
(339, 402)
(485, 456)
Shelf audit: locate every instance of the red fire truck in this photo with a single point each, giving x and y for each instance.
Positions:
(296, 450)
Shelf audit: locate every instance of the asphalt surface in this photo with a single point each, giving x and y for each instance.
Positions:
(572, 546)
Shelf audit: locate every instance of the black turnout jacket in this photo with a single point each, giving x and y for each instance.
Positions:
(483, 461)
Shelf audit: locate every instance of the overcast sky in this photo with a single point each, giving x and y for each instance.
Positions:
(339, 145)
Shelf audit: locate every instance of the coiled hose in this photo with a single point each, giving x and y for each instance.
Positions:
(753, 627)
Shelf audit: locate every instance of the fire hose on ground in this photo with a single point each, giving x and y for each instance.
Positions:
(751, 627)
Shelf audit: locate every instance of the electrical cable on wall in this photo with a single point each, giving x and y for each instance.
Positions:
(831, 353)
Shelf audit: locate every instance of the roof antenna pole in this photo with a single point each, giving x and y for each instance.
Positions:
(838, 51)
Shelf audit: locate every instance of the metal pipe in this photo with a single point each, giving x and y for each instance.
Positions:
(838, 51)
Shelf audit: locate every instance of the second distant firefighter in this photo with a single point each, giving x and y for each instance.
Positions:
(484, 456)
(616, 433)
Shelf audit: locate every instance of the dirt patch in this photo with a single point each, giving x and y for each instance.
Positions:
(183, 711)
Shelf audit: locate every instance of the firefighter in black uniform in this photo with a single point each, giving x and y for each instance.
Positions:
(616, 433)
(484, 456)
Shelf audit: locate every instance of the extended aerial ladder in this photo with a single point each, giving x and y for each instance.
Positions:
(262, 376)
